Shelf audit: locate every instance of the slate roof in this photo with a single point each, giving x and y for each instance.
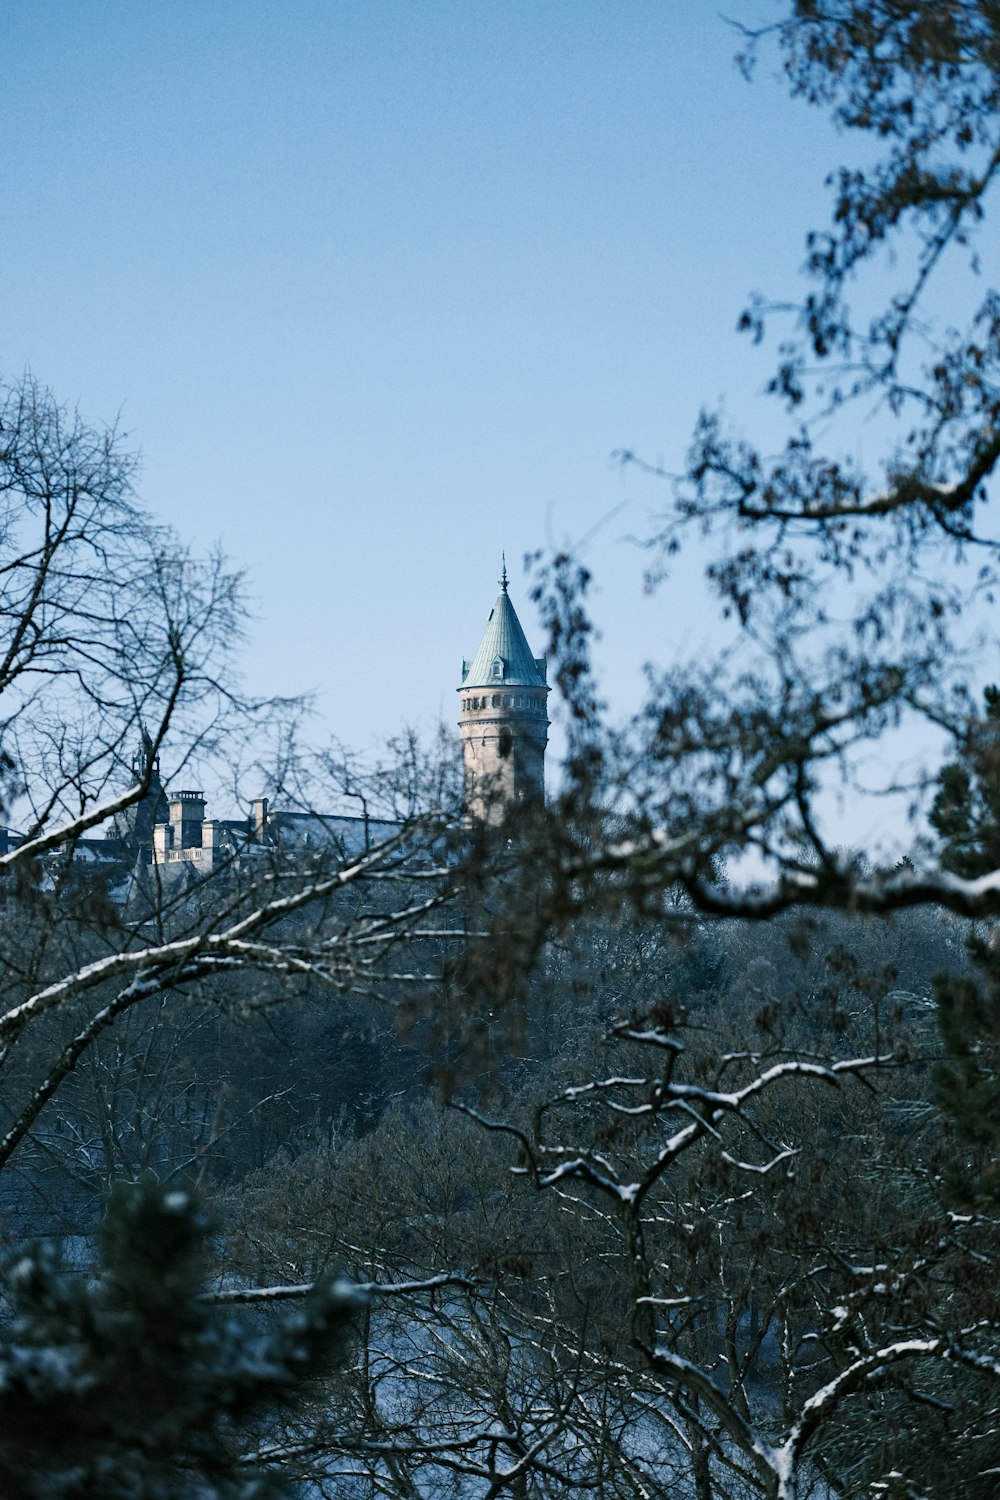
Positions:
(503, 638)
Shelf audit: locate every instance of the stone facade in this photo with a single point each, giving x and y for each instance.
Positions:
(199, 845)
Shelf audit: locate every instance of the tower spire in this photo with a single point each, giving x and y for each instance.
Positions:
(504, 725)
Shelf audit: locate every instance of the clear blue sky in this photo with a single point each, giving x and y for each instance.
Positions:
(379, 285)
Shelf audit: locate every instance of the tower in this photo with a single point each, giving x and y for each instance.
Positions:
(503, 724)
(135, 826)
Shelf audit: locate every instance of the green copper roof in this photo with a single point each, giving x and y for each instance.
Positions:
(504, 654)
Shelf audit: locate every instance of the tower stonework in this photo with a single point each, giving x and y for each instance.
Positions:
(503, 724)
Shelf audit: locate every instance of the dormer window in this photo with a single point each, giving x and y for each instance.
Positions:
(497, 669)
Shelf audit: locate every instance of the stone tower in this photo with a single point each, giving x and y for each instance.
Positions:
(503, 724)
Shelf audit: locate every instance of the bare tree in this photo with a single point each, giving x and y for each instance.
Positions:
(708, 1248)
(854, 594)
(115, 636)
(854, 600)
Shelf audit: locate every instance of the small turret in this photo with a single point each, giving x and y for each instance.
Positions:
(504, 725)
(135, 826)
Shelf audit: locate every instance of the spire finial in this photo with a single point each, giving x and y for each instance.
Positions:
(503, 572)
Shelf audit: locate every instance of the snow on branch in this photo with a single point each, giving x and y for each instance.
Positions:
(359, 1291)
(184, 959)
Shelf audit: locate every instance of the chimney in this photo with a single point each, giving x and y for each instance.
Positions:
(258, 819)
(187, 813)
(212, 840)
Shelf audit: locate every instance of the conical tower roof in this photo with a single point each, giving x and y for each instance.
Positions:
(504, 654)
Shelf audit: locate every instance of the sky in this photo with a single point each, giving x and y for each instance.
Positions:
(379, 287)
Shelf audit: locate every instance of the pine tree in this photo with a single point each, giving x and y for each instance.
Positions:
(966, 814)
(129, 1384)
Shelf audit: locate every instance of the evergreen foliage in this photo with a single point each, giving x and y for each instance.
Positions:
(130, 1384)
(966, 809)
(966, 814)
